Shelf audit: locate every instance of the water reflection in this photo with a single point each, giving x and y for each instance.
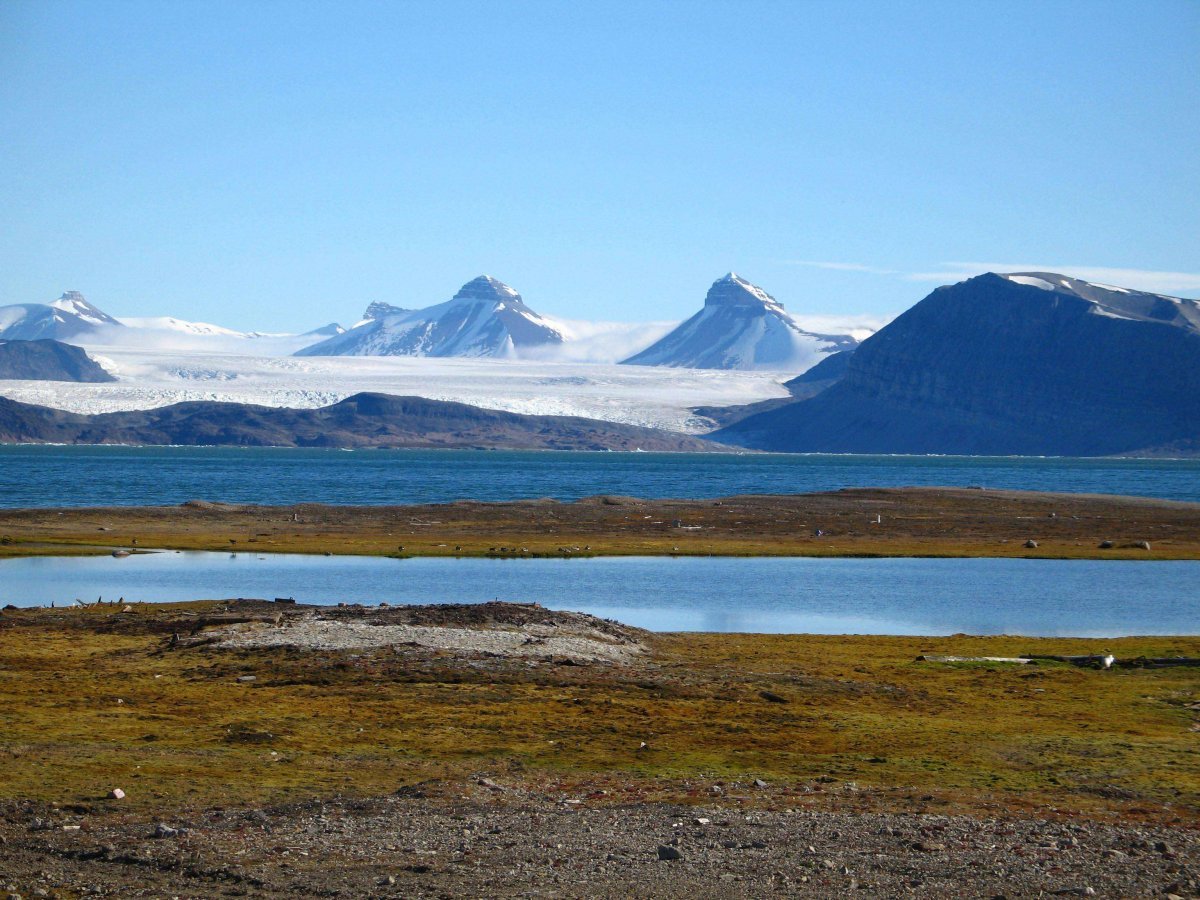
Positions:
(821, 596)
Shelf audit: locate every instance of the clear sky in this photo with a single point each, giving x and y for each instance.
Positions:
(277, 165)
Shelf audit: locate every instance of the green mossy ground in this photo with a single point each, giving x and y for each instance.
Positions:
(90, 700)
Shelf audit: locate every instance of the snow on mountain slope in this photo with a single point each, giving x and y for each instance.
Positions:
(648, 396)
(485, 318)
(170, 323)
(1116, 302)
(70, 316)
(741, 327)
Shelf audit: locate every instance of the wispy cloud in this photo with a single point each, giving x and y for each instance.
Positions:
(947, 272)
(842, 266)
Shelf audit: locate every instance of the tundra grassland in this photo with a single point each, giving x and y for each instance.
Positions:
(933, 522)
(104, 696)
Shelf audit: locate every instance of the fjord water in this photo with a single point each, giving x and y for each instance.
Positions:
(782, 595)
(33, 475)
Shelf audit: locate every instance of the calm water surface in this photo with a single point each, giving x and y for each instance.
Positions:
(789, 595)
(115, 476)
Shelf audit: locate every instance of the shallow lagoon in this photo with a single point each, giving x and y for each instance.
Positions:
(1082, 598)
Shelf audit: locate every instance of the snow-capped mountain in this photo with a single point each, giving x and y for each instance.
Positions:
(70, 316)
(485, 318)
(72, 319)
(740, 327)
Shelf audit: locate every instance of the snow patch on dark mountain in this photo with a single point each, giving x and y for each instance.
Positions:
(740, 327)
(485, 318)
(1116, 302)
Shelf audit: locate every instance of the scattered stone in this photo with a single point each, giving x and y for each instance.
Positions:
(247, 678)
(1106, 545)
(116, 794)
(702, 821)
(759, 783)
(386, 881)
(666, 852)
(163, 830)
(929, 847)
(772, 697)
(1031, 544)
(1142, 545)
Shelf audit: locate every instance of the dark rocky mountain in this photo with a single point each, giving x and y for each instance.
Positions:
(48, 360)
(67, 317)
(825, 374)
(363, 420)
(381, 310)
(741, 326)
(1030, 363)
(485, 318)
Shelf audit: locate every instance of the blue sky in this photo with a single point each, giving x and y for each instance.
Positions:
(279, 165)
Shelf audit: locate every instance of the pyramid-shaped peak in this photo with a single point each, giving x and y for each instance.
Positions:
(733, 290)
(485, 288)
(73, 303)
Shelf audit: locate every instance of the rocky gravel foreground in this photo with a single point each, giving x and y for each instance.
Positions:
(517, 845)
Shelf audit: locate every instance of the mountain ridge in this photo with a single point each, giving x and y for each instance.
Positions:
(363, 420)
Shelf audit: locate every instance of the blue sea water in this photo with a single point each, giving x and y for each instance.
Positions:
(115, 476)
(820, 596)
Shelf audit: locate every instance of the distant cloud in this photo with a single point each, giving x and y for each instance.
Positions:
(949, 272)
(598, 342)
(857, 326)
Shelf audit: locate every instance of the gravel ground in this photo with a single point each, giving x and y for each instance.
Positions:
(533, 640)
(496, 840)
